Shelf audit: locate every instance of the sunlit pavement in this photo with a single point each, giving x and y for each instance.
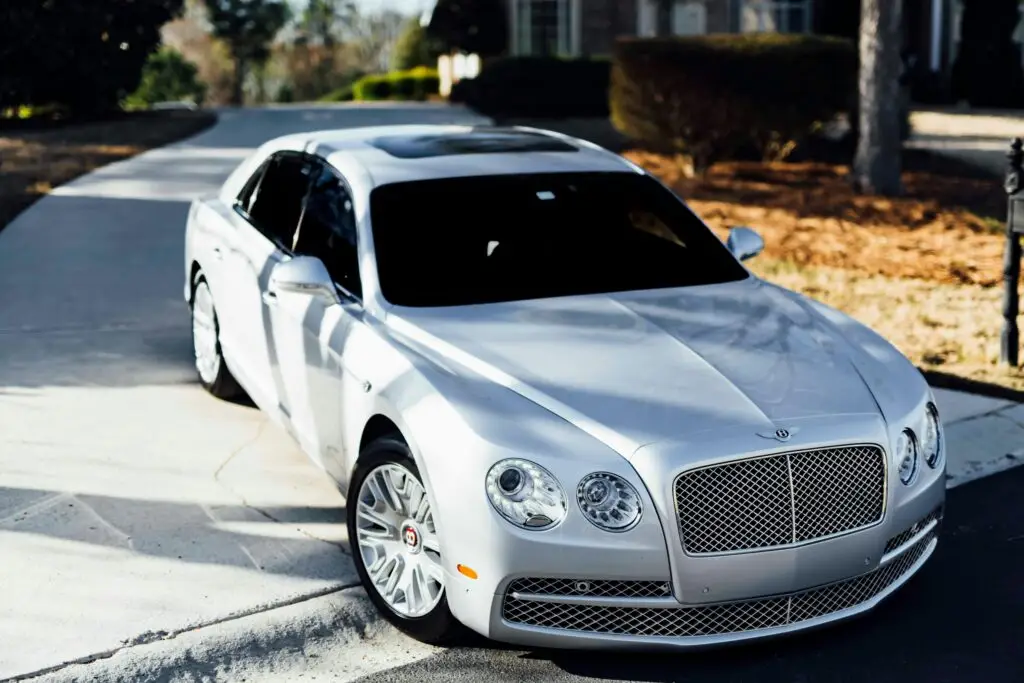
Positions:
(132, 505)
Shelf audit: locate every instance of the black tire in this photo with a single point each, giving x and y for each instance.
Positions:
(437, 627)
(221, 383)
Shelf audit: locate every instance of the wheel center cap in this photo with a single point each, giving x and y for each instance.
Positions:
(411, 537)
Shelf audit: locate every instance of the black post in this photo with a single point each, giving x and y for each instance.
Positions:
(1010, 342)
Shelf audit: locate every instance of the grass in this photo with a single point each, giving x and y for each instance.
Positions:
(37, 156)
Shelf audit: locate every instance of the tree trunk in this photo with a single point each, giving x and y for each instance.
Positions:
(877, 165)
(238, 92)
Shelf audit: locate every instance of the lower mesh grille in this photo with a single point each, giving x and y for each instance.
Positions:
(899, 539)
(709, 620)
(606, 589)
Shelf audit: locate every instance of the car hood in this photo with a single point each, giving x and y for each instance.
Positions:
(638, 368)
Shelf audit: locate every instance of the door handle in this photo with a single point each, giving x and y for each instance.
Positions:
(270, 298)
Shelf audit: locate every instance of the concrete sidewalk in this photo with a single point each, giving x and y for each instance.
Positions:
(978, 138)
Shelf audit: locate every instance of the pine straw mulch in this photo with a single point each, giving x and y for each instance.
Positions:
(944, 229)
(921, 269)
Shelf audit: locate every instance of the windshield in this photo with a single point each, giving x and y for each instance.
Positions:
(460, 241)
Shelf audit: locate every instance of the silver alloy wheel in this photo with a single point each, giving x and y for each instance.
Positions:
(398, 542)
(204, 334)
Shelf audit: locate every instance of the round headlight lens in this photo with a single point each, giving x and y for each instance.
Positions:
(526, 494)
(931, 439)
(608, 501)
(906, 456)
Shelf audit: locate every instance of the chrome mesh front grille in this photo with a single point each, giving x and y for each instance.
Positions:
(582, 587)
(780, 499)
(709, 620)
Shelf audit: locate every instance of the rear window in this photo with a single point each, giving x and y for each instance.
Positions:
(462, 241)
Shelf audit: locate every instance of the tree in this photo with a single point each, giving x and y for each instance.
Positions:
(470, 26)
(168, 77)
(248, 27)
(877, 165)
(987, 71)
(413, 47)
(373, 36)
(189, 34)
(84, 55)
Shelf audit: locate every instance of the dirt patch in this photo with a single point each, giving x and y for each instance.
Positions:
(944, 229)
(36, 158)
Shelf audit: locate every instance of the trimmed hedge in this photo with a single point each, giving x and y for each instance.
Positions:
(546, 87)
(415, 84)
(711, 97)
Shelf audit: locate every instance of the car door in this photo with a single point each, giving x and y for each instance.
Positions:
(309, 331)
(266, 225)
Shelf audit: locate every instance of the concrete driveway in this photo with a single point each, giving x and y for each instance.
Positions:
(133, 506)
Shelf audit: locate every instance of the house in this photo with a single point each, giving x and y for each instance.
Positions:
(576, 28)
(589, 27)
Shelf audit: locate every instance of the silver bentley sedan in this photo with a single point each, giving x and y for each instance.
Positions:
(564, 413)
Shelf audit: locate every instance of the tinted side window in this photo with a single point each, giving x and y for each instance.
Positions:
(328, 228)
(277, 205)
(248, 193)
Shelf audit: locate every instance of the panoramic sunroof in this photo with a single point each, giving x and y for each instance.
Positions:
(477, 141)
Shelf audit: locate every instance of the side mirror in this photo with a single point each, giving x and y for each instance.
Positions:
(744, 243)
(304, 275)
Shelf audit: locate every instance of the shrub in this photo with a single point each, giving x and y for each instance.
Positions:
(167, 77)
(415, 84)
(706, 98)
(542, 87)
(375, 87)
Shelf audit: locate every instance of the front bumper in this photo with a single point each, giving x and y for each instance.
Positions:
(603, 594)
(556, 618)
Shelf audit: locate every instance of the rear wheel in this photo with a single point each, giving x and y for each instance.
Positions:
(395, 542)
(209, 359)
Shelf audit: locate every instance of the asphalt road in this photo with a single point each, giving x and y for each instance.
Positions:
(133, 506)
(961, 620)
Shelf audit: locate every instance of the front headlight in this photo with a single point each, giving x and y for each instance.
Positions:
(526, 494)
(931, 439)
(608, 501)
(906, 456)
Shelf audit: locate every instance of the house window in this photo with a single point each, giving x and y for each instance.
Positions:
(776, 16)
(689, 18)
(545, 27)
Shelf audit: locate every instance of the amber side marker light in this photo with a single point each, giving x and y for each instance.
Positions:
(466, 571)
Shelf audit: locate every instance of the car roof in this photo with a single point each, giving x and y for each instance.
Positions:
(399, 153)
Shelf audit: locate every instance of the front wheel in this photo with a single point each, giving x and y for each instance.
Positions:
(395, 542)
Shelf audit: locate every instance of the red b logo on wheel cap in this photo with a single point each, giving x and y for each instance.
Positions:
(411, 537)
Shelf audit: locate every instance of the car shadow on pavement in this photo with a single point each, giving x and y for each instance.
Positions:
(266, 539)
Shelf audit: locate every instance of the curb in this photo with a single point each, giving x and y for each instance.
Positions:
(239, 649)
(941, 380)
